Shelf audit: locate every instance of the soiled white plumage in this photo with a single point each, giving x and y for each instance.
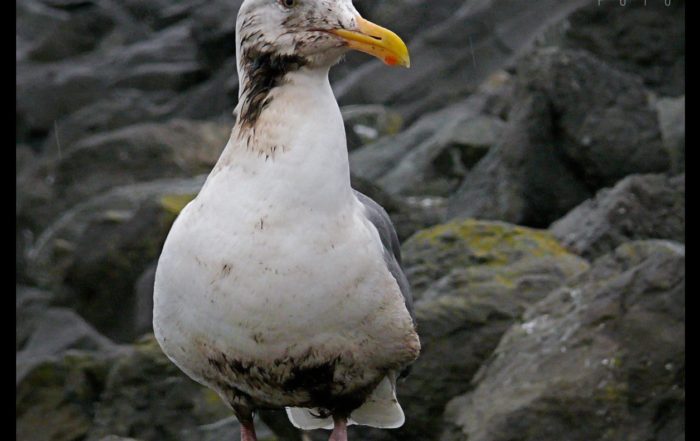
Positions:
(275, 271)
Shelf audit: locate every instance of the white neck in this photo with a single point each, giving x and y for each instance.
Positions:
(296, 152)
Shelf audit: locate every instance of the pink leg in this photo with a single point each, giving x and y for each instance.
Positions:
(340, 430)
(248, 431)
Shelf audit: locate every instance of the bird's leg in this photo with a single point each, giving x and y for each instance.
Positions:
(340, 429)
(245, 417)
(248, 431)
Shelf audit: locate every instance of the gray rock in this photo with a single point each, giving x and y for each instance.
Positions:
(462, 50)
(30, 304)
(408, 216)
(602, 358)
(365, 124)
(73, 33)
(375, 160)
(136, 392)
(611, 33)
(437, 165)
(117, 438)
(55, 400)
(94, 254)
(55, 331)
(471, 281)
(638, 207)
(563, 141)
(145, 395)
(672, 122)
(139, 152)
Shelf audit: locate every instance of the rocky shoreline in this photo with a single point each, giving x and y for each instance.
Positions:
(533, 161)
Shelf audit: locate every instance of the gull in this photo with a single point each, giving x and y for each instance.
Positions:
(279, 285)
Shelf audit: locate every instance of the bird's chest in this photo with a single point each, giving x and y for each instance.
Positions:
(259, 284)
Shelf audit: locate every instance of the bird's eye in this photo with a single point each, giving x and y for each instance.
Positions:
(288, 3)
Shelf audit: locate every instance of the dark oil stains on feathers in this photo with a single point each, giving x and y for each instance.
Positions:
(304, 375)
(265, 71)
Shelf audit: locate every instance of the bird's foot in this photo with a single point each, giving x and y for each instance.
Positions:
(340, 429)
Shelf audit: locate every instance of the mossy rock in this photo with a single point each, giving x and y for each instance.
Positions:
(434, 252)
(472, 280)
(147, 396)
(55, 401)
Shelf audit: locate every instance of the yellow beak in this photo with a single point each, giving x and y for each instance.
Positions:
(376, 41)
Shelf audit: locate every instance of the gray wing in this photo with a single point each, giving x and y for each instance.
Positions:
(392, 248)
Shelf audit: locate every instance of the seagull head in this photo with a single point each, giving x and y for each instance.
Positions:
(311, 33)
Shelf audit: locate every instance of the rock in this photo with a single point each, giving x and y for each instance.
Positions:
(55, 331)
(136, 392)
(438, 165)
(586, 363)
(140, 152)
(408, 216)
(55, 400)
(462, 50)
(672, 122)
(30, 304)
(76, 32)
(471, 280)
(117, 438)
(364, 124)
(48, 92)
(94, 254)
(376, 160)
(146, 396)
(432, 156)
(143, 300)
(638, 207)
(563, 142)
(611, 33)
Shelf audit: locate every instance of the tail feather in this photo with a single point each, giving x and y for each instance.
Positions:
(381, 410)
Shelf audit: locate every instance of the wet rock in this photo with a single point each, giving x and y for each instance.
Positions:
(136, 392)
(55, 331)
(611, 32)
(638, 207)
(471, 281)
(75, 32)
(55, 399)
(140, 152)
(94, 254)
(585, 363)
(30, 304)
(365, 124)
(462, 50)
(146, 396)
(408, 216)
(672, 122)
(563, 142)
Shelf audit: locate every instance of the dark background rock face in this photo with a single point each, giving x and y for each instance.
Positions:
(532, 161)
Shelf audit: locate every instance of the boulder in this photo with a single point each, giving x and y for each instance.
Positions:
(671, 113)
(601, 358)
(365, 124)
(638, 207)
(139, 152)
(471, 280)
(55, 331)
(30, 304)
(94, 254)
(55, 400)
(145, 395)
(612, 33)
(462, 49)
(563, 142)
(136, 392)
